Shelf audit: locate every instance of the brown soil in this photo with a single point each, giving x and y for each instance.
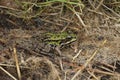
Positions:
(39, 61)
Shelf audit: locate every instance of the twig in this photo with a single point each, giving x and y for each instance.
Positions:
(77, 55)
(108, 65)
(100, 13)
(91, 73)
(100, 3)
(8, 73)
(80, 19)
(106, 69)
(17, 64)
(8, 65)
(102, 72)
(61, 65)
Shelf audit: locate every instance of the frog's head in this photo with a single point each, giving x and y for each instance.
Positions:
(71, 37)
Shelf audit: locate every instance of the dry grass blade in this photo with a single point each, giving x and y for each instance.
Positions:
(17, 64)
(99, 5)
(77, 55)
(80, 19)
(61, 65)
(9, 65)
(87, 62)
(91, 73)
(103, 72)
(8, 73)
(108, 65)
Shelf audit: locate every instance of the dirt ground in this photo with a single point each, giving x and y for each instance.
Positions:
(95, 55)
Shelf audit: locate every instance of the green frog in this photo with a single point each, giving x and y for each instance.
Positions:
(59, 39)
